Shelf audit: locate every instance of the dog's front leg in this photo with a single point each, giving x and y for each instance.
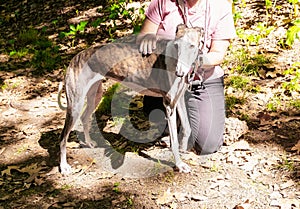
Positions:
(186, 129)
(171, 118)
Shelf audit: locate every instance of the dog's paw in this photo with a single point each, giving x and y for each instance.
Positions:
(88, 144)
(91, 144)
(65, 169)
(183, 151)
(183, 167)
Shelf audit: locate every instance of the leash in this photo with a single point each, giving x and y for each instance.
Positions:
(194, 78)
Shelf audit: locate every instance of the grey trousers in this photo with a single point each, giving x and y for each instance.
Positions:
(206, 110)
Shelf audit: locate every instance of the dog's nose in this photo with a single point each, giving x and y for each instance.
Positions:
(179, 74)
(179, 71)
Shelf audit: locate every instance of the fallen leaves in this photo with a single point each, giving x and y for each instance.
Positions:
(32, 170)
(245, 205)
(165, 198)
(296, 147)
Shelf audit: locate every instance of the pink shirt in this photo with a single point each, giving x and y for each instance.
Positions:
(220, 24)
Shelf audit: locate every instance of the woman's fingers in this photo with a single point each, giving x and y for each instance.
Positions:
(148, 44)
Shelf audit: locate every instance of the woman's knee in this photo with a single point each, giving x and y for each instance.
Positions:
(209, 146)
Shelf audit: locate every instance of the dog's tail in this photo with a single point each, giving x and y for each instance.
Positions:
(60, 88)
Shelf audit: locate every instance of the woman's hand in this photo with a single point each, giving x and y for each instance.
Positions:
(148, 43)
(147, 38)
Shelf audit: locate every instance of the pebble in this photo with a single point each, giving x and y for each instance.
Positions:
(196, 197)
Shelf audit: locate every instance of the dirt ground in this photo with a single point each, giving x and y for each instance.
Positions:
(258, 169)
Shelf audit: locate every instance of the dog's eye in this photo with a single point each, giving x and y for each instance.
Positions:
(192, 46)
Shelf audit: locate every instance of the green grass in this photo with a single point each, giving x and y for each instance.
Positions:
(286, 164)
(28, 37)
(295, 103)
(244, 63)
(293, 85)
(104, 107)
(35, 50)
(19, 53)
(242, 83)
(231, 101)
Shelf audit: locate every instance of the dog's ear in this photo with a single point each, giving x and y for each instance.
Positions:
(180, 30)
(200, 31)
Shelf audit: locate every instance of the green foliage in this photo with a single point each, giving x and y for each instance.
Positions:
(293, 33)
(36, 50)
(118, 10)
(286, 164)
(28, 37)
(246, 64)
(231, 101)
(269, 5)
(238, 82)
(248, 60)
(295, 6)
(46, 59)
(129, 201)
(262, 31)
(294, 83)
(237, 16)
(273, 104)
(105, 103)
(97, 22)
(295, 103)
(74, 30)
(242, 83)
(116, 188)
(20, 53)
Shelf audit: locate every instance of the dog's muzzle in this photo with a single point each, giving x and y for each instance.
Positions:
(179, 74)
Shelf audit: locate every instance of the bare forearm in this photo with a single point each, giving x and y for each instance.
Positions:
(216, 54)
(212, 59)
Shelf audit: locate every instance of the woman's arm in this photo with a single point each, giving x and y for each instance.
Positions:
(216, 54)
(147, 37)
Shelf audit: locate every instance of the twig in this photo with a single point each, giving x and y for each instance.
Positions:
(2, 150)
(89, 166)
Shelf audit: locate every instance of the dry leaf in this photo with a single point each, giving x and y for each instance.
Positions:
(284, 203)
(138, 106)
(167, 197)
(297, 147)
(245, 205)
(232, 159)
(265, 118)
(33, 171)
(9, 168)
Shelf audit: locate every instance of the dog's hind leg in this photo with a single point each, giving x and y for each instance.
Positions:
(75, 105)
(77, 86)
(93, 99)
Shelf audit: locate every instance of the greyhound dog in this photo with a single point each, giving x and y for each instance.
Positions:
(173, 61)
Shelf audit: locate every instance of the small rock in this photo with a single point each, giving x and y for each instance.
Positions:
(287, 184)
(241, 145)
(234, 129)
(197, 197)
(275, 195)
(274, 203)
(275, 187)
(179, 196)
